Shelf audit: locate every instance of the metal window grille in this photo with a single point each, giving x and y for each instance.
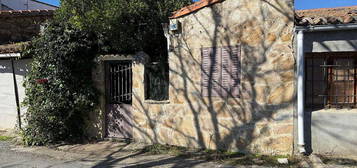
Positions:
(157, 81)
(330, 80)
(119, 81)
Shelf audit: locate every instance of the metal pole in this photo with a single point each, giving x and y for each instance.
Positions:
(301, 89)
(16, 93)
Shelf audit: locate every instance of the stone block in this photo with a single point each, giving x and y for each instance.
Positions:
(281, 144)
(271, 37)
(288, 76)
(283, 129)
(282, 94)
(286, 37)
(284, 62)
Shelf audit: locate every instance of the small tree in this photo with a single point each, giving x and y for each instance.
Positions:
(59, 88)
(125, 26)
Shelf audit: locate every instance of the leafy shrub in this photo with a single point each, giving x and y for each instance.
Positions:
(125, 26)
(59, 89)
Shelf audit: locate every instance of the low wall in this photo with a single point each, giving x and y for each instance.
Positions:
(8, 108)
(334, 132)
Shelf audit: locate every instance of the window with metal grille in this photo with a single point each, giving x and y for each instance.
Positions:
(330, 80)
(119, 82)
(157, 81)
(221, 71)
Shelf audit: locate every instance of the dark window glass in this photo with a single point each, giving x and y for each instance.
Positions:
(330, 80)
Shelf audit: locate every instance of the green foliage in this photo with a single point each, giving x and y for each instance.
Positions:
(125, 26)
(58, 109)
(5, 138)
(158, 149)
(59, 104)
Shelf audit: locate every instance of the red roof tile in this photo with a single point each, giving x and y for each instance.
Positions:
(25, 13)
(323, 16)
(193, 8)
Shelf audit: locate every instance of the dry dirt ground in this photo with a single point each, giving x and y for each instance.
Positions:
(118, 154)
(103, 154)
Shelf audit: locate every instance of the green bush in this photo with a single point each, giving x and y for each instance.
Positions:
(125, 26)
(59, 89)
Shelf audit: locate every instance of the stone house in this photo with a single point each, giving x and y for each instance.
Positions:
(231, 81)
(16, 29)
(248, 75)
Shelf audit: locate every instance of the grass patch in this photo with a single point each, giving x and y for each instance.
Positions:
(158, 149)
(229, 158)
(266, 160)
(338, 161)
(5, 138)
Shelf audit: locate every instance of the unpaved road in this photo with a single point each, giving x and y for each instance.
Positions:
(11, 159)
(23, 157)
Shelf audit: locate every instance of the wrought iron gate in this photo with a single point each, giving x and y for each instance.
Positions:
(119, 97)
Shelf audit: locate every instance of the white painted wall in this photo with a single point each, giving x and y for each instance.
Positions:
(8, 112)
(26, 5)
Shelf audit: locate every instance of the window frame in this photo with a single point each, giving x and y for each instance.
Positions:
(332, 98)
(221, 65)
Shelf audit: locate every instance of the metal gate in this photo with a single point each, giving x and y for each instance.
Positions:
(119, 98)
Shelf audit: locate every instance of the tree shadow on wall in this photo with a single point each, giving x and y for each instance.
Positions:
(261, 119)
(220, 121)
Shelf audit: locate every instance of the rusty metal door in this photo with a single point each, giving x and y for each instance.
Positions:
(119, 98)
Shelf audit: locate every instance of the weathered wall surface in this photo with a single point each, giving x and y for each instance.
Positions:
(261, 120)
(333, 132)
(330, 41)
(8, 109)
(19, 29)
(97, 125)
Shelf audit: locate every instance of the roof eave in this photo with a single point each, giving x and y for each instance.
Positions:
(337, 27)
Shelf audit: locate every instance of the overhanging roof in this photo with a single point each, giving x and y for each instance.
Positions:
(326, 16)
(26, 13)
(193, 8)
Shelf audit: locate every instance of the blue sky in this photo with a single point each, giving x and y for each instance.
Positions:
(299, 4)
(53, 2)
(310, 4)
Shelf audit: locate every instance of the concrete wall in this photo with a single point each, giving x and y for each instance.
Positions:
(331, 131)
(331, 41)
(261, 120)
(8, 112)
(334, 132)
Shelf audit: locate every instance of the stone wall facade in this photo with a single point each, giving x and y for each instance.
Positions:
(261, 119)
(20, 29)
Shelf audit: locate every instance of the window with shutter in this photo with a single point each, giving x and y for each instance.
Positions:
(211, 75)
(221, 71)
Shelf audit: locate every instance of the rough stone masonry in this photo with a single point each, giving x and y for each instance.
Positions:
(261, 119)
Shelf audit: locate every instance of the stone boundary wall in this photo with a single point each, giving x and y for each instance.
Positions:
(20, 29)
